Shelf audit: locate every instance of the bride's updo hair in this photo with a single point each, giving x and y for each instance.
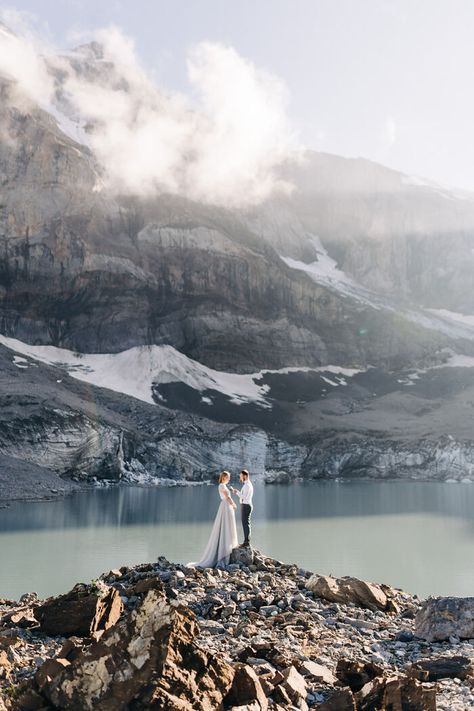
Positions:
(222, 476)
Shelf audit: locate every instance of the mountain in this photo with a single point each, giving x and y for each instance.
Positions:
(326, 332)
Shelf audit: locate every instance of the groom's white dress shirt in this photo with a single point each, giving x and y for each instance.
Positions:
(246, 493)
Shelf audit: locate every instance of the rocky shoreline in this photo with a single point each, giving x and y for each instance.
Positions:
(258, 635)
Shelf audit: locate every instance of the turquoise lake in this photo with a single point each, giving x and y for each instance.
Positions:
(418, 536)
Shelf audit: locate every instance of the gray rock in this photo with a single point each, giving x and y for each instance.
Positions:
(278, 477)
(242, 556)
(441, 618)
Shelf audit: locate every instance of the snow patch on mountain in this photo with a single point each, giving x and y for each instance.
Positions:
(137, 370)
(465, 319)
(325, 271)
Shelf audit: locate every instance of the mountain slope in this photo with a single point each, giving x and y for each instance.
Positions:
(318, 332)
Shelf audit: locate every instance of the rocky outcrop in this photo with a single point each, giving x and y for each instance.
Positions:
(150, 658)
(248, 637)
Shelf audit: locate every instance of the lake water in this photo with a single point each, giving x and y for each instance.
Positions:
(415, 535)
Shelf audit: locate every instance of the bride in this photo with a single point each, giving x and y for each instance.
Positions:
(223, 536)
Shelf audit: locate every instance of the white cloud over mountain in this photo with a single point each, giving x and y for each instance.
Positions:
(221, 143)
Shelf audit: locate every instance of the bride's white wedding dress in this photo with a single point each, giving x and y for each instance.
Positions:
(223, 536)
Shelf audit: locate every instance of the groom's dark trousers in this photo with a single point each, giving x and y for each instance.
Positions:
(246, 512)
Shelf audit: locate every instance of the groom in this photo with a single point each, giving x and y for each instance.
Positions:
(245, 495)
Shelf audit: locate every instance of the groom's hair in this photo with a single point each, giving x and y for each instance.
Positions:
(245, 473)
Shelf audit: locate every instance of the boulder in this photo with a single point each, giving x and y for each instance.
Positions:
(348, 590)
(151, 657)
(389, 693)
(440, 618)
(79, 612)
(242, 556)
(442, 668)
(246, 689)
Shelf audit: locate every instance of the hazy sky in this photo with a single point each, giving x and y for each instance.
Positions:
(390, 80)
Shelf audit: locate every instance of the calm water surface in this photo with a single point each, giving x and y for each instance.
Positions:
(417, 536)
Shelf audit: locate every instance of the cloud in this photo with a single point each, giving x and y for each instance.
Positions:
(222, 143)
(20, 57)
(390, 131)
(243, 132)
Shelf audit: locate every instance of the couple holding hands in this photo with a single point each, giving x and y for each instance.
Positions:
(223, 538)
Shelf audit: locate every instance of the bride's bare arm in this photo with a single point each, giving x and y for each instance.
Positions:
(230, 500)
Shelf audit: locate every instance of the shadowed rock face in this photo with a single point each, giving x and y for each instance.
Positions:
(96, 273)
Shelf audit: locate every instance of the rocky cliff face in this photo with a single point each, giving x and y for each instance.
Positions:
(92, 272)
(396, 234)
(333, 275)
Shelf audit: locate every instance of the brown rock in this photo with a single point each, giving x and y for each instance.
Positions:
(151, 657)
(246, 688)
(47, 673)
(442, 668)
(13, 640)
(79, 612)
(266, 682)
(71, 649)
(317, 672)
(387, 694)
(146, 584)
(355, 674)
(294, 685)
(346, 590)
(280, 696)
(30, 700)
(22, 617)
(5, 666)
(341, 700)
(277, 678)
